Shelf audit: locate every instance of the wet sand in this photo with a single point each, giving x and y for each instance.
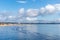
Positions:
(14, 24)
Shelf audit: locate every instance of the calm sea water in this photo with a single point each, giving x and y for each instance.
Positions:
(31, 32)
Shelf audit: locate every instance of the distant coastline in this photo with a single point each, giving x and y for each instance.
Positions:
(25, 23)
(20, 24)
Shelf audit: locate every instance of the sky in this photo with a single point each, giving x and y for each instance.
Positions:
(29, 10)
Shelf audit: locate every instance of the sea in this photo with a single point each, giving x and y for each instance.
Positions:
(30, 32)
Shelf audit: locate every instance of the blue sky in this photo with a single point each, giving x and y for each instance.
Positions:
(30, 9)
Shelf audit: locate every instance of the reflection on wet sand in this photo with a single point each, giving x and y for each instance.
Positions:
(30, 32)
(27, 32)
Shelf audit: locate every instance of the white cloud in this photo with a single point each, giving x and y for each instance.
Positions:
(2, 18)
(32, 12)
(21, 11)
(11, 17)
(57, 6)
(50, 8)
(42, 10)
(21, 1)
(58, 19)
(31, 19)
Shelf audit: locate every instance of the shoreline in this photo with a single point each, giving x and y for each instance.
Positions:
(25, 24)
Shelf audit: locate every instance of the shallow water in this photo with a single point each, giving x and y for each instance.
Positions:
(31, 32)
